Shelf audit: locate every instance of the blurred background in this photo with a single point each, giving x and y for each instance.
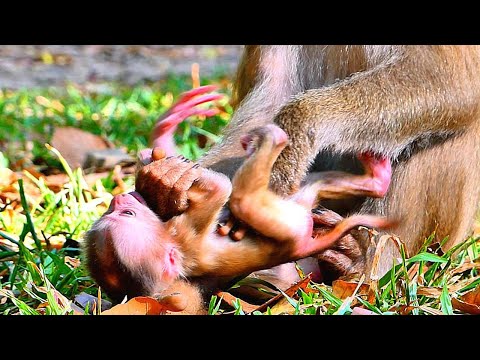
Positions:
(54, 65)
(115, 92)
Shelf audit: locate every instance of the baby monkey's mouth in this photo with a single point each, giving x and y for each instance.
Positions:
(138, 197)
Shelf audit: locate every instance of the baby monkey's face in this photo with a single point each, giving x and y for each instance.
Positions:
(129, 250)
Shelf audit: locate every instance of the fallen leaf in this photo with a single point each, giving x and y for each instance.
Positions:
(465, 307)
(473, 296)
(32, 170)
(402, 309)
(414, 271)
(469, 302)
(230, 299)
(434, 292)
(382, 242)
(283, 306)
(60, 299)
(56, 182)
(466, 267)
(343, 289)
(75, 152)
(437, 291)
(141, 305)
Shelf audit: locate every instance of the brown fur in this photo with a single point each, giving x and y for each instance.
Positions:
(418, 105)
(285, 225)
(131, 251)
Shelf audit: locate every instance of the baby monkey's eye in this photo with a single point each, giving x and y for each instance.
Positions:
(128, 213)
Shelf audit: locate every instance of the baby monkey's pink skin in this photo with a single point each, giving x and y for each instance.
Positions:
(290, 219)
(129, 252)
(155, 252)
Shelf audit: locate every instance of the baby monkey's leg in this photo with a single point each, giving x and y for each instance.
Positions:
(338, 184)
(253, 203)
(291, 219)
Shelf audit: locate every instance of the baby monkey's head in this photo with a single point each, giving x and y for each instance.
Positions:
(129, 250)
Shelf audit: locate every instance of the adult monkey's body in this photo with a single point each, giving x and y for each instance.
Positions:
(417, 105)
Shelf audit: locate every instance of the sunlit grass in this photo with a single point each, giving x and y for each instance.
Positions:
(123, 115)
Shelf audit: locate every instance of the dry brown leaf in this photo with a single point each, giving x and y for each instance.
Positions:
(60, 299)
(343, 289)
(434, 292)
(11, 191)
(466, 267)
(56, 182)
(402, 309)
(308, 290)
(283, 306)
(75, 152)
(229, 299)
(465, 307)
(291, 291)
(437, 291)
(4, 295)
(141, 305)
(413, 271)
(472, 297)
(382, 242)
(469, 302)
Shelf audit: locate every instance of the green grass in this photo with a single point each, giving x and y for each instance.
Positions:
(123, 115)
(41, 267)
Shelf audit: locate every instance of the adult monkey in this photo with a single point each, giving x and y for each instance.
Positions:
(416, 105)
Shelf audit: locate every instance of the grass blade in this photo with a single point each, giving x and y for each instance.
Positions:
(427, 257)
(31, 228)
(445, 301)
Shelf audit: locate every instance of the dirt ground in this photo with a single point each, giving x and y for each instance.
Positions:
(53, 65)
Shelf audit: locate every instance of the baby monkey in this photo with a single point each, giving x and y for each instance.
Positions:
(130, 251)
